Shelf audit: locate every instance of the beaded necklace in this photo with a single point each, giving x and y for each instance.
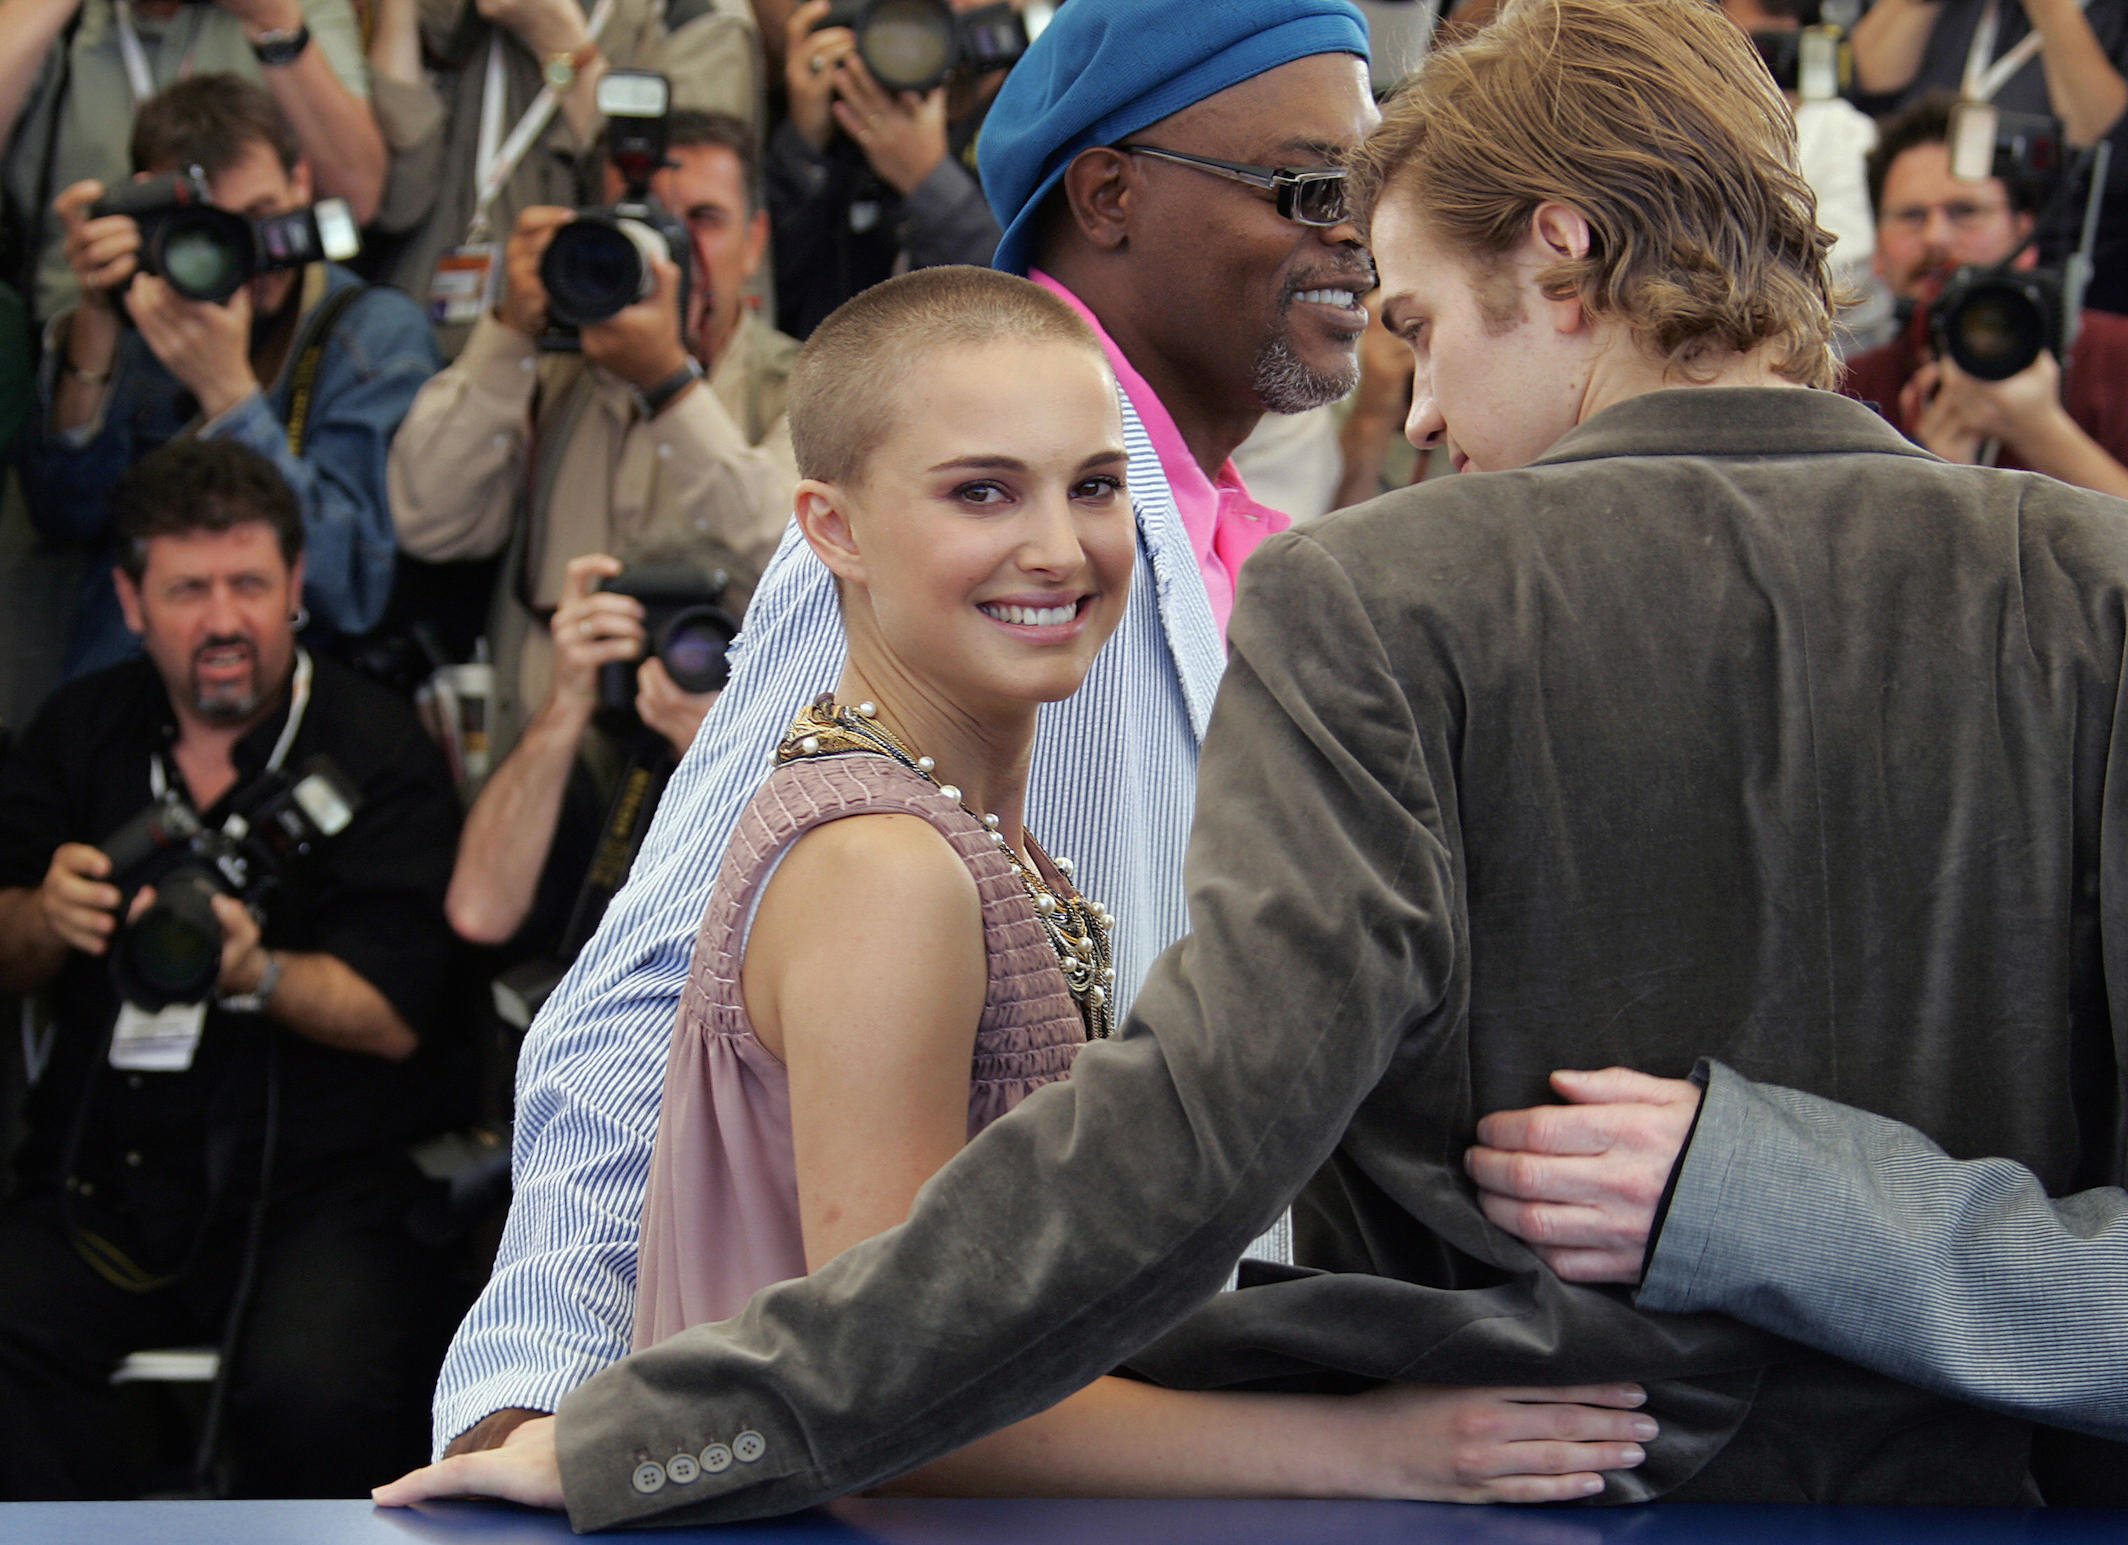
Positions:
(1077, 929)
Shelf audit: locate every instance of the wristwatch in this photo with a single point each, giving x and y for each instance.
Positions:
(281, 46)
(254, 1001)
(657, 399)
(561, 70)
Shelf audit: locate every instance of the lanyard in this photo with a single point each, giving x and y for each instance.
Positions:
(497, 158)
(1982, 79)
(298, 701)
(140, 80)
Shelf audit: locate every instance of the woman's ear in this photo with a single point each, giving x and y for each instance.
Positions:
(822, 511)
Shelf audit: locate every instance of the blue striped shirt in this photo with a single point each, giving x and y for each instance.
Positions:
(1112, 784)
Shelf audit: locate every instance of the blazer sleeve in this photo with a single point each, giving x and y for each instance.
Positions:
(1860, 1237)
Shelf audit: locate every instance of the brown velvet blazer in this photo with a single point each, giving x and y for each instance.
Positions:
(1734, 726)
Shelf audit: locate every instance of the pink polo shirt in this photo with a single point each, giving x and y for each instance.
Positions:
(1224, 524)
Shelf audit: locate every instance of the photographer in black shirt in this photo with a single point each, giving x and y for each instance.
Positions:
(225, 1168)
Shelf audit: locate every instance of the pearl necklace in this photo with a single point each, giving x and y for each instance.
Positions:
(1077, 929)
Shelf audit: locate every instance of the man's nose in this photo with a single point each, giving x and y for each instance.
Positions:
(223, 616)
(1425, 425)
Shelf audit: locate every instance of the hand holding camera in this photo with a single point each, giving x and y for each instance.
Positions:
(80, 904)
(903, 136)
(191, 926)
(647, 641)
(642, 343)
(523, 307)
(243, 959)
(593, 628)
(1955, 414)
(205, 345)
(103, 250)
(811, 52)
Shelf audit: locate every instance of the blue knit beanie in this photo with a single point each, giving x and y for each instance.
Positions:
(1103, 69)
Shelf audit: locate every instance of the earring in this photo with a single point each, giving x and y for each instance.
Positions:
(300, 617)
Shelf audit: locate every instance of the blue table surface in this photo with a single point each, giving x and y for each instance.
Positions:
(867, 1521)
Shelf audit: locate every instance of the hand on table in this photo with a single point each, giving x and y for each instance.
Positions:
(525, 1469)
(1499, 1445)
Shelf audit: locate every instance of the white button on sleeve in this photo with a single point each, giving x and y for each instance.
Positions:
(748, 1447)
(649, 1477)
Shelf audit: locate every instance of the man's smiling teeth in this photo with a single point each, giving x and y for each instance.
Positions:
(1031, 616)
(1345, 298)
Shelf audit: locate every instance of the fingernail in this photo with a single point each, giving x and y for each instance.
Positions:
(1635, 1454)
(1636, 1396)
(1591, 1484)
(1645, 1428)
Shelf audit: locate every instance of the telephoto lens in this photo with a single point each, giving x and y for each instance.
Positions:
(687, 629)
(172, 952)
(597, 266)
(915, 45)
(1992, 324)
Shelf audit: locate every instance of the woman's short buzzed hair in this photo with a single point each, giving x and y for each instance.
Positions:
(1657, 122)
(849, 375)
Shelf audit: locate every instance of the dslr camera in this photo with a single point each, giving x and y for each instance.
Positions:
(209, 254)
(1993, 321)
(172, 952)
(914, 45)
(599, 264)
(686, 627)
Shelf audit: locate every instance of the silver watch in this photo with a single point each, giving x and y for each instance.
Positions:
(254, 1001)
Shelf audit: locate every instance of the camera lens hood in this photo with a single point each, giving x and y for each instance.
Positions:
(597, 266)
(1992, 325)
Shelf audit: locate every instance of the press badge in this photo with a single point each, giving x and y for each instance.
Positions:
(462, 289)
(162, 1042)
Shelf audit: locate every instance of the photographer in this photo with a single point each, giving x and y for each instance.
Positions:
(2065, 58)
(303, 365)
(531, 835)
(530, 68)
(247, 1179)
(74, 72)
(2069, 422)
(651, 436)
(865, 181)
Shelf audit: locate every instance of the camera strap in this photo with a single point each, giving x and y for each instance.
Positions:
(1982, 78)
(303, 378)
(635, 801)
(496, 158)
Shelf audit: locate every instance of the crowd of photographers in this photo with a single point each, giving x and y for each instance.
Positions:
(445, 343)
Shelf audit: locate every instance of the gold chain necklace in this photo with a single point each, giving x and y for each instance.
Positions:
(1077, 929)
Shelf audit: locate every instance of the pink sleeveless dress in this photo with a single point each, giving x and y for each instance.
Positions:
(721, 1217)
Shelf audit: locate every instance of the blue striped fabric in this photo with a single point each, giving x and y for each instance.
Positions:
(1111, 786)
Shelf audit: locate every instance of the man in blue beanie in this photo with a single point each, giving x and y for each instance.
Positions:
(1174, 169)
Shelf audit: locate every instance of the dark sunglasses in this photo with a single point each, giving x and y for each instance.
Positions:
(1307, 197)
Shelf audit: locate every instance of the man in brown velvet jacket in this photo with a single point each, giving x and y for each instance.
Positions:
(1712, 718)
